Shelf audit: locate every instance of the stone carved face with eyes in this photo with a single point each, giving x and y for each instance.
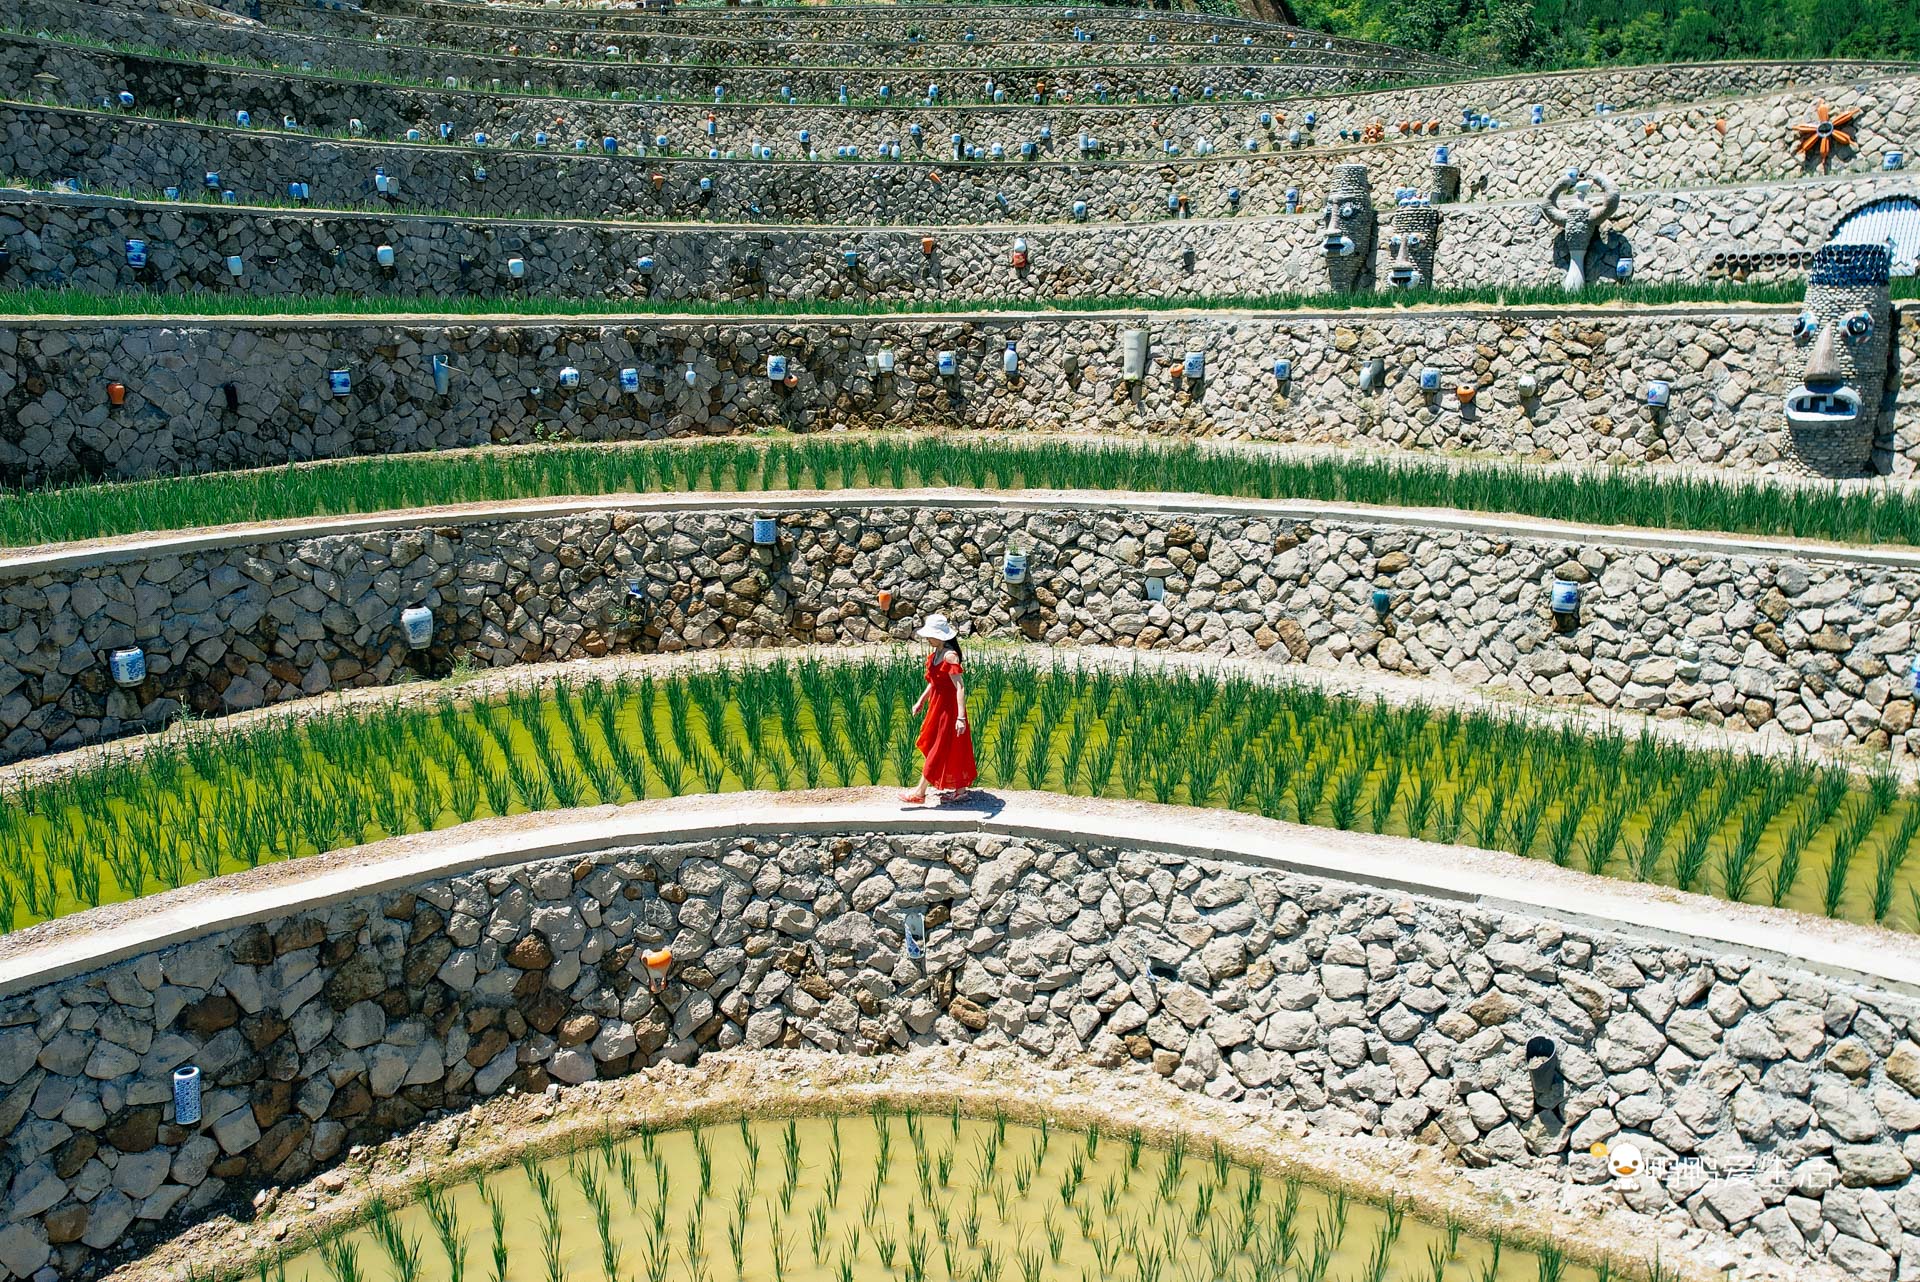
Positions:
(1410, 245)
(1843, 332)
(1347, 235)
(1579, 221)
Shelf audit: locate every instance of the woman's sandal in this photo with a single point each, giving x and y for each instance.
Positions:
(912, 800)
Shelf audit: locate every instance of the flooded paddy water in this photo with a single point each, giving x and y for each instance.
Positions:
(907, 1195)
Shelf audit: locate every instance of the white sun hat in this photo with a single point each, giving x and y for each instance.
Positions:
(936, 628)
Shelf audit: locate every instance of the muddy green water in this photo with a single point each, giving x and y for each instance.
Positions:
(932, 1196)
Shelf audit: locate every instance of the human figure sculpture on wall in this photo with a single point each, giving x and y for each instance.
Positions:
(1844, 330)
(1348, 234)
(1580, 220)
(1412, 236)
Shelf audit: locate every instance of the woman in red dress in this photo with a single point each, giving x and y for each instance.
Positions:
(944, 737)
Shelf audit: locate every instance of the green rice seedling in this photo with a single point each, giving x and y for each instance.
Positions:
(1203, 768)
(566, 786)
(1565, 832)
(917, 1247)
(402, 1252)
(1840, 858)
(1690, 860)
(1831, 786)
(1604, 841)
(530, 784)
(1202, 1212)
(1739, 860)
(1037, 766)
(1100, 765)
(1523, 827)
(1453, 815)
(1309, 786)
(342, 1259)
(595, 1195)
(463, 795)
(703, 1156)
(1346, 793)
(1486, 828)
(1883, 789)
(446, 1228)
(1165, 769)
(1436, 1263)
(1074, 749)
(696, 1237)
(550, 1219)
(737, 1232)
(628, 1173)
(885, 1245)
(809, 762)
(1551, 1263)
(1646, 859)
(1890, 859)
(497, 1223)
(1419, 805)
(711, 769)
(1786, 870)
(1386, 791)
(672, 773)
(1490, 1267)
(1379, 1256)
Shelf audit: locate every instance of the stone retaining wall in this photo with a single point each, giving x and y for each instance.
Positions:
(1507, 97)
(80, 241)
(1366, 1011)
(580, 63)
(213, 93)
(1000, 39)
(1729, 374)
(1794, 645)
(134, 154)
(989, 24)
(197, 91)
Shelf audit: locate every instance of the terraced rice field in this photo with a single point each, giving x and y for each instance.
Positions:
(908, 1195)
(1840, 513)
(1744, 827)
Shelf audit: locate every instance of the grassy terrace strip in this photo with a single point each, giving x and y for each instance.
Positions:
(1854, 513)
(197, 302)
(1752, 828)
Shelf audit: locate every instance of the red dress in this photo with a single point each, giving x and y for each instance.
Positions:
(950, 763)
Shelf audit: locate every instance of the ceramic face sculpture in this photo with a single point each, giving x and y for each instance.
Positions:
(1842, 334)
(1410, 245)
(1579, 221)
(1348, 232)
